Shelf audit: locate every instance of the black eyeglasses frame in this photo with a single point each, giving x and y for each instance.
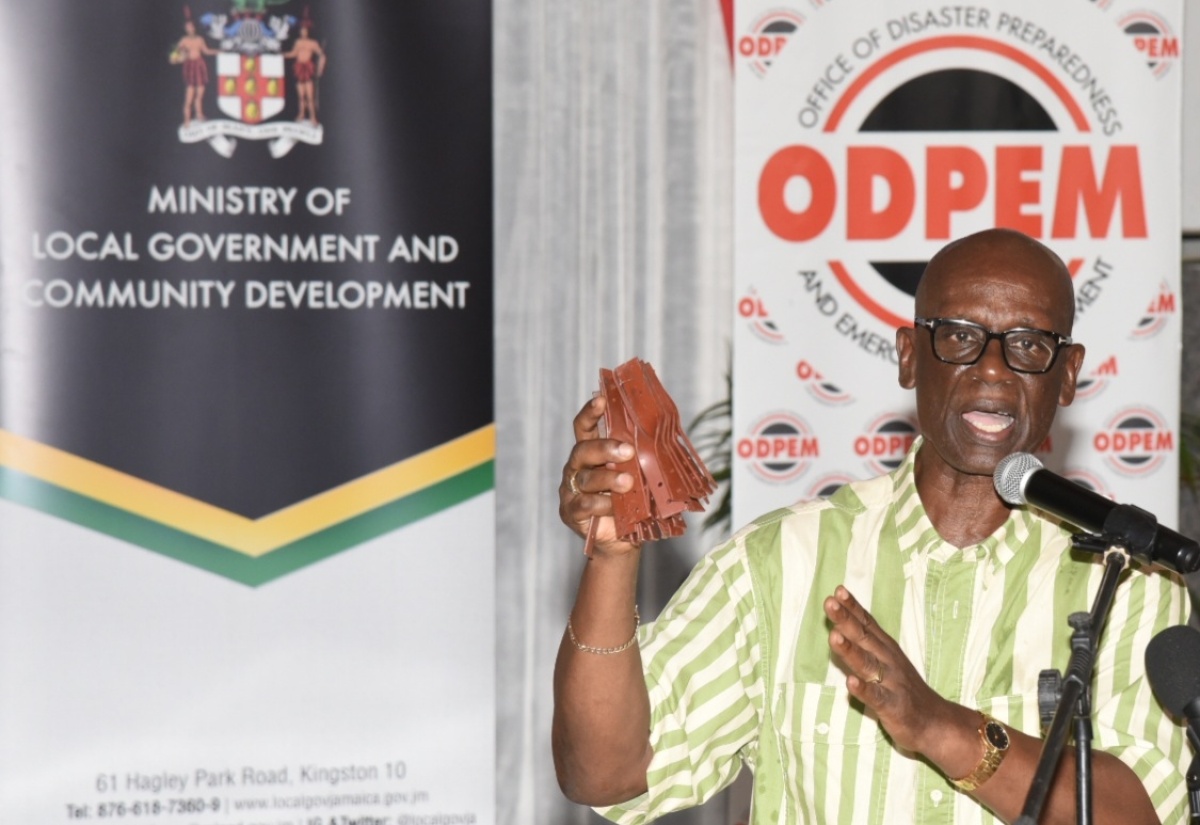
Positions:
(932, 324)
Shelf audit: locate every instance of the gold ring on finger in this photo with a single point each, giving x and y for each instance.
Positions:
(572, 485)
(878, 677)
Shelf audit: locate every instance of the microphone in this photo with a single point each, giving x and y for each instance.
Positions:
(1173, 668)
(1021, 479)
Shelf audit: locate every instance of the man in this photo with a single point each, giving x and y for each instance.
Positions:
(305, 69)
(190, 52)
(874, 657)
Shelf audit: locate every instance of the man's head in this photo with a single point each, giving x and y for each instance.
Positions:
(972, 415)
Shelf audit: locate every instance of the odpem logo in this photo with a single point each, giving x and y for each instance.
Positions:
(1094, 382)
(1158, 314)
(898, 198)
(953, 179)
(780, 447)
(886, 442)
(1153, 37)
(821, 388)
(768, 36)
(1136, 441)
(751, 309)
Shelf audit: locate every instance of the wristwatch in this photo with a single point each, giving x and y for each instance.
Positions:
(995, 747)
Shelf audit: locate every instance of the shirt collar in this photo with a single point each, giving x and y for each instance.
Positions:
(917, 536)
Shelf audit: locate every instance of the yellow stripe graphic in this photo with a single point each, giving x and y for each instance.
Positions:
(253, 537)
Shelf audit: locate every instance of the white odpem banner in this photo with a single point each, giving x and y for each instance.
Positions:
(869, 134)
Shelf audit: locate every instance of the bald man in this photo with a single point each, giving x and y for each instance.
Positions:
(873, 657)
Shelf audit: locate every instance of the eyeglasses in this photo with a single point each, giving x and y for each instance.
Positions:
(956, 341)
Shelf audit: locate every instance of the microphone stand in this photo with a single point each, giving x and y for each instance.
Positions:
(1129, 530)
(1193, 776)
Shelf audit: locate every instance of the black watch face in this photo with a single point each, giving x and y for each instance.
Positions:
(997, 735)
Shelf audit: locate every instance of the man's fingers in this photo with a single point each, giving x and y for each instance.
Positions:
(590, 476)
(586, 493)
(846, 599)
(862, 646)
(864, 663)
(850, 618)
(586, 482)
(591, 450)
(599, 452)
(587, 421)
(867, 677)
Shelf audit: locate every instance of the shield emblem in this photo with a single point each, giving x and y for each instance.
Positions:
(250, 86)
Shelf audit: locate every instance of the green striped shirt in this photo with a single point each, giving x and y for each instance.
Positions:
(739, 669)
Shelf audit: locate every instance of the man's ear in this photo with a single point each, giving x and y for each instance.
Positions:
(905, 344)
(1074, 356)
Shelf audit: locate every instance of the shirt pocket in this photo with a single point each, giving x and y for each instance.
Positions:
(824, 739)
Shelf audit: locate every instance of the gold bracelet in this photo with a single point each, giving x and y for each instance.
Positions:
(606, 651)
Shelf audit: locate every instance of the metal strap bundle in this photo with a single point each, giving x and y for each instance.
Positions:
(669, 477)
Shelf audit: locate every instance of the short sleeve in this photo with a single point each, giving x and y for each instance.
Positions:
(701, 659)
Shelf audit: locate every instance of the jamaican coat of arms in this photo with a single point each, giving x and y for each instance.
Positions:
(250, 50)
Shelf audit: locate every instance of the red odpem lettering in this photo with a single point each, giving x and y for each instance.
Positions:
(1092, 197)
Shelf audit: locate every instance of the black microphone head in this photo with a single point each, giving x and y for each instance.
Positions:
(1173, 667)
(1011, 474)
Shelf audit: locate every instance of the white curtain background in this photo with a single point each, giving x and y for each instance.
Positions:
(613, 240)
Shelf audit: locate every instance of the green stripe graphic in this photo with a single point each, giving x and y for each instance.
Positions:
(215, 558)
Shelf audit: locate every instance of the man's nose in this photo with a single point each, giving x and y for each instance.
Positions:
(992, 362)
